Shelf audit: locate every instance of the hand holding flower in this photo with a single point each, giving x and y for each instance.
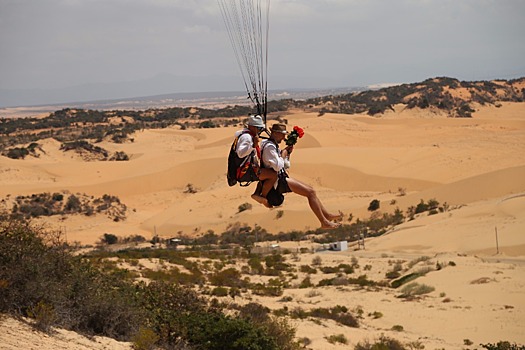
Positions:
(295, 134)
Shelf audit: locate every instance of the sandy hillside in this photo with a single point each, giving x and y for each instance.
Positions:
(349, 159)
(481, 300)
(18, 334)
(475, 165)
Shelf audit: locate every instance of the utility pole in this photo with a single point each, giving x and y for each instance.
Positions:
(361, 238)
(497, 243)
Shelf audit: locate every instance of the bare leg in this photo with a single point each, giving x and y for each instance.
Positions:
(330, 216)
(261, 200)
(334, 217)
(258, 198)
(267, 178)
(314, 202)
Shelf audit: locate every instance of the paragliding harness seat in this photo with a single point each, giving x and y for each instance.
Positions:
(241, 170)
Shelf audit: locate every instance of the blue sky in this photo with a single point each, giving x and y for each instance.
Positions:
(49, 44)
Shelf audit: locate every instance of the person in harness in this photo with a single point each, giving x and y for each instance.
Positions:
(244, 160)
(279, 160)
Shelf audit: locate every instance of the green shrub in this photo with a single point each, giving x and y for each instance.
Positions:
(307, 269)
(392, 274)
(405, 279)
(44, 316)
(325, 282)
(306, 283)
(41, 279)
(503, 345)
(73, 204)
(255, 312)
(244, 207)
(346, 268)
(228, 277)
(109, 238)
(414, 289)
(338, 313)
(145, 339)
(317, 261)
(276, 262)
(330, 269)
(119, 156)
(362, 281)
(274, 288)
(299, 313)
(277, 328)
(397, 328)
(256, 265)
(58, 289)
(376, 314)
(219, 291)
(416, 261)
(57, 197)
(337, 338)
(374, 205)
(382, 343)
(421, 207)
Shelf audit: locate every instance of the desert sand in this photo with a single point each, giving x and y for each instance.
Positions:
(476, 165)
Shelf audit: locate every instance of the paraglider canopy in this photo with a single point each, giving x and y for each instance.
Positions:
(248, 27)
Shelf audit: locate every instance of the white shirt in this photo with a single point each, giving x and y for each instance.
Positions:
(245, 144)
(271, 156)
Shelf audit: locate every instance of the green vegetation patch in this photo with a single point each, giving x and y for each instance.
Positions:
(64, 203)
(42, 280)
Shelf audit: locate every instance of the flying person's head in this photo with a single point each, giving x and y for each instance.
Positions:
(278, 132)
(255, 124)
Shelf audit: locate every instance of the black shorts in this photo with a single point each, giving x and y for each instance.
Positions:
(275, 196)
(282, 185)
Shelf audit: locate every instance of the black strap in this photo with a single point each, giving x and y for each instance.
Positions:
(264, 146)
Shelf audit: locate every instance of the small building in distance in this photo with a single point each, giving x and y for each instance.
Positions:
(339, 246)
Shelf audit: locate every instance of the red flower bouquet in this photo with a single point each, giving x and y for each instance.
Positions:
(295, 134)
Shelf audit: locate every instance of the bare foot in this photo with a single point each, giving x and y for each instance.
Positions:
(330, 225)
(262, 200)
(337, 218)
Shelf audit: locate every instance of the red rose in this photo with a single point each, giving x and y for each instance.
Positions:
(296, 133)
(299, 131)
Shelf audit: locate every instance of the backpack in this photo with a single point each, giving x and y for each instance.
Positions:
(242, 170)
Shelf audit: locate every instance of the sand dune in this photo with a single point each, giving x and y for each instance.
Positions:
(476, 165)
(349, 159)
(468, 230)
(346, 179)
(496, 184)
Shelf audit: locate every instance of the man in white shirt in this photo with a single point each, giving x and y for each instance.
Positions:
(247, 143)
(279, 161)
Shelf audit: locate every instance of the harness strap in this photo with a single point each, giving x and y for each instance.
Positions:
(282, 172)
